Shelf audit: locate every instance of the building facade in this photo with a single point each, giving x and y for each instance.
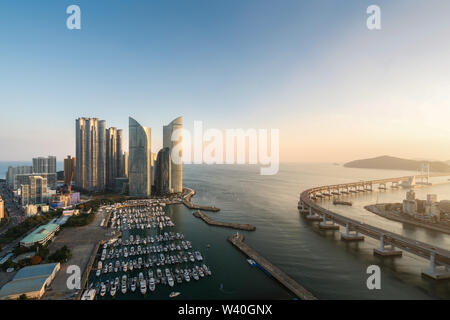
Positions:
(139, 162)
(177, 166)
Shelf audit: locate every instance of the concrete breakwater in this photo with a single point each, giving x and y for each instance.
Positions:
(238, 241)
(208, 220)
(187, 202)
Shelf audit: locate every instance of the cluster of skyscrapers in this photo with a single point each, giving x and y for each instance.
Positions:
(99, 155)
(102, 164)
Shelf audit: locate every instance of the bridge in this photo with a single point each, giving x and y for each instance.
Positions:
(389, 242)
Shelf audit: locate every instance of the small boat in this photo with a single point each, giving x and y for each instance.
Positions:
(103, 289)
(174, 294)
(251, 262)
(151, 284)
(345, 203)
(143, 286)
(113, 290)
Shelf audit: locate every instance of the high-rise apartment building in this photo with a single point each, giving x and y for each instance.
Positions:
(69, 170)
(176, 166)
(2, 208)
(87, 148)
(163, 172)
(36, 191)
(13, 171)
(114, 156)
(98, 153)
(139, 165)
(44, 165)
(101, 166)
(125, 164)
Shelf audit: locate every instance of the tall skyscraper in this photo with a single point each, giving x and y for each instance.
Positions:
(119, 154)
(69, 170)
(101, 167)
(163, 172)
(111, 156)
(125, 164)
(176, 168)
(98, 160)
(2, 208)
(139, 162)
(87, 149)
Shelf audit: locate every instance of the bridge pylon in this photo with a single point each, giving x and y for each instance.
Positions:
(351, 236)
(386, 251)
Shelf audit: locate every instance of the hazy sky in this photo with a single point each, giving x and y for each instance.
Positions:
(312, 69)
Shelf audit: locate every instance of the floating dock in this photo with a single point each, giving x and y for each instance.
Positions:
(208, 220)
(238, 241)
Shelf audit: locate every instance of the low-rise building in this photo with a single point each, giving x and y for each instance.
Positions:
(41, 235)
(31, 281)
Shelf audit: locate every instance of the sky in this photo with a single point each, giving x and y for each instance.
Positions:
(336, 90)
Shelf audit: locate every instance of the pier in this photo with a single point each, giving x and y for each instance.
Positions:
(238, 241)
(208, 220)
(439, 258)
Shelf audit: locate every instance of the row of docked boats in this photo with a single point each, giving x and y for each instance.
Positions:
(150, 261)
(144, 282)
(146, 254)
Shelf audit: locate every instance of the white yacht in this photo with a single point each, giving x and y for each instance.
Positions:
(113, 290)
(151, 283)
(103, 289)
(143, 286)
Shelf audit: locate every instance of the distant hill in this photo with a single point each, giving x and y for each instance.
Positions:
(393, 163)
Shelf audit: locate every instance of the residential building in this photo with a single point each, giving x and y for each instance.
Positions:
(172, 139)
(139, 162)
(69, 170)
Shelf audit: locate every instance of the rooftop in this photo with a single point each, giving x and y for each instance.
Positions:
(40, 233)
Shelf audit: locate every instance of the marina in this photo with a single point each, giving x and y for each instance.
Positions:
(146, 255)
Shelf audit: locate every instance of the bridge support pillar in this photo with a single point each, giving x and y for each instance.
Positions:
(312, 216)
(324, 225)
(351, 236)
(435, 272)
(301, 207)
(385, 251)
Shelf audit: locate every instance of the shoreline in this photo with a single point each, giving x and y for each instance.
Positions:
(394, 217)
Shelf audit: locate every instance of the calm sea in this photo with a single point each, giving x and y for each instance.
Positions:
(331, 269)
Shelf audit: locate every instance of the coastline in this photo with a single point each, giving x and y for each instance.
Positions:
(394, 217)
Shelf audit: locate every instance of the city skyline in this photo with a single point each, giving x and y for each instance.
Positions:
(232, 65)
